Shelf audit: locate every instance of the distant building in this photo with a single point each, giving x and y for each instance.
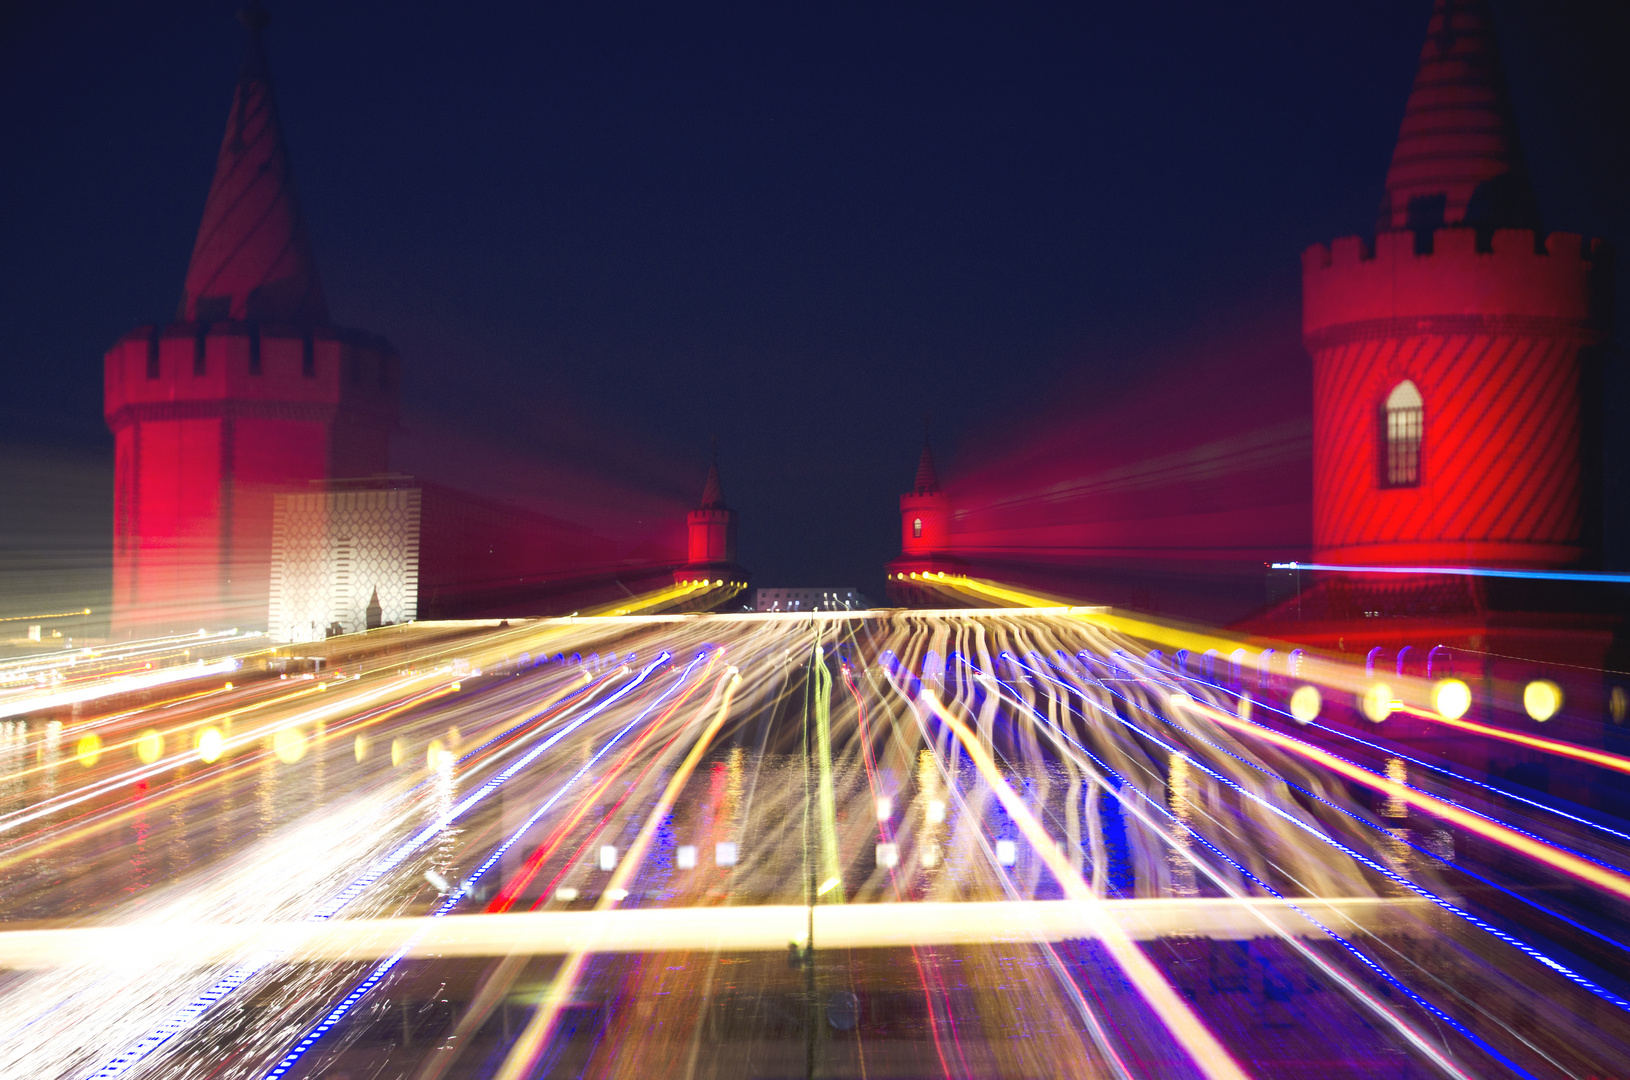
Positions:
(925, 540)
(711, 549)
(344, 560)
(834, 599)
(350, 555)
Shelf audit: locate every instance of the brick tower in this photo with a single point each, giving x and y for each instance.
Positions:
(712, 541)
(251, 390)
(1448, 357)
(925, 538)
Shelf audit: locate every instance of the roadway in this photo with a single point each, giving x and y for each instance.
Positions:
(983, 842)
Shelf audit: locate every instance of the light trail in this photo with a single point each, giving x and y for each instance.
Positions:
(1602, 758)
(166, 764)
(189, 1013)
(1509, 939)
(1206, 839)
(523, 1056)
(376, 976)
(507, 895)
(1303, 907)
(1520, 897)
(1187, 1028)
(1464, 571)
(759, 928)
(124, 684)
(1603, 877)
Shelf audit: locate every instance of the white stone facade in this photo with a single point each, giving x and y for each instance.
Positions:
(332, 550)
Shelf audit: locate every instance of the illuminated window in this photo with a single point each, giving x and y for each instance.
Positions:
(917, 528)
(1401, 427)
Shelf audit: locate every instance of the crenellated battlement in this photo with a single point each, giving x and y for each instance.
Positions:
(1516, 279)
(193, 365)
(936, 500)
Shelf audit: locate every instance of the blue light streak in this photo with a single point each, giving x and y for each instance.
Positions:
(1528, 950)
(1463, 571)
(1018, 699)
(1519, 897)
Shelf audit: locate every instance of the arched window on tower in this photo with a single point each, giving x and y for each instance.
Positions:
(917, 529)
(1401, 425)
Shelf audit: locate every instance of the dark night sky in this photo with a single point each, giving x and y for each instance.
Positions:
(603, 234)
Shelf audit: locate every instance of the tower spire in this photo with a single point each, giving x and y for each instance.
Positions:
(712, 491)
(252, 258)
(1458, 161)
(927, 479)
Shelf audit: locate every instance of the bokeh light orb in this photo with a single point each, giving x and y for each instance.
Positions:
(1376, 702)
(88, 750)
(1452, 699)
(1542, 699)
(289, 744)
(149, 746)
(210, 744)
(1305, 704)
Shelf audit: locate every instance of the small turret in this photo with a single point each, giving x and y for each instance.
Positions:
(711, 550)
(925, 536)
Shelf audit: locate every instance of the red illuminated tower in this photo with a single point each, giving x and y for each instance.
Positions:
(712, 536)
(1449, 364)
(1448, 356)
(925, 538)
(250, 390)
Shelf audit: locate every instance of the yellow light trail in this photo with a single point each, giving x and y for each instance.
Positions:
(755, 928)
(1323, 670)
(192, 787)
(1185, 1026)
(205, 721)
(55, 615)
(1550, 746)
(1611, 880)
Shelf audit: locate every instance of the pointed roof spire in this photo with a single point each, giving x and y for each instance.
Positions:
(928, 480)
(1458, 160)
(252, 259)
(712, 492)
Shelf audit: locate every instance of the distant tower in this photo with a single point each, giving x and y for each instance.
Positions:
(251, 390)
(1448, 359)
(712, 547)
(925, 537)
